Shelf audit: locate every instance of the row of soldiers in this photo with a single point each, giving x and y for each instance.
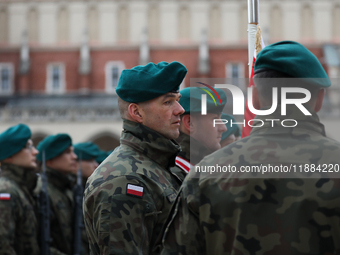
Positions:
(57, 160)
(38, 213)
(147, 196)
(137, 202)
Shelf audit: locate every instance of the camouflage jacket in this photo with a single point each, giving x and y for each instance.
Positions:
(187, 158)
(241, 214)
(60, 192)
(18, 220)
(129, 196)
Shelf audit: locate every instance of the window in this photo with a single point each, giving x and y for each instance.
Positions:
(55, 78)
(123, 24)
(63, 25)
(184, 23)
(235, 70)
(113, 70)
(6, 79)
(33, 25)
(4, 25)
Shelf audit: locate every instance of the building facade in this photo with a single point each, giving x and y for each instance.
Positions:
(60, 61)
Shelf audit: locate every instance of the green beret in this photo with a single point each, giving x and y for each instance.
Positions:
(234, 129)
(14, 140)
(102, 156)
(143, 83)
(191, 100)
(53, 146)
(86, 151)
(293, 59)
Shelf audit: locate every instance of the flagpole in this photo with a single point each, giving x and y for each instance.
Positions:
(253, 21)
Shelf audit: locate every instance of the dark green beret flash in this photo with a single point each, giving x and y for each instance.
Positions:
(143, 83)
(14, 140)
(294, 59)
(53, 146)
(191, 99)
(234, 129)
(86, 151)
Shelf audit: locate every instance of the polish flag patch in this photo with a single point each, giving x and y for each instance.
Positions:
(134, 190)
(5, 196)
(183, 164)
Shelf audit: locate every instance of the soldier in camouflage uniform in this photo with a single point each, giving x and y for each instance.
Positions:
(235, 213)
(197, 130)
(233, 132)
(18, 205)
(128, 197)
(87, 154)
(61, 166)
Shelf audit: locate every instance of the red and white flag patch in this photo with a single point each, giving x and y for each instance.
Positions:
(134, 190)
(5, 196)
(183, 164)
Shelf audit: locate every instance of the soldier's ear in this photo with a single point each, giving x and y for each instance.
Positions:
(186, 123)
(136, 112)
(319, 100)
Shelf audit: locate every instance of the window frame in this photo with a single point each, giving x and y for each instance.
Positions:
(108, 81)
(49, 78)
(229, 70)
(10, 67)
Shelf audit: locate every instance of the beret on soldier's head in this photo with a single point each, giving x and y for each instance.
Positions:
(191, 100)
(234, 129)
(143, 83)
(86, 151)
(293, 59)
(102, 156)
(53, 146)
(14, 140)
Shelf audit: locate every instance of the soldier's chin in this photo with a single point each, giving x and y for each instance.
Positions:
(174, 135)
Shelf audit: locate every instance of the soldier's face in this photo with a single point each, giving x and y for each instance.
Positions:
(162, 114)
(88, 166)
(205, 132)
(65, 162)
(26, 157)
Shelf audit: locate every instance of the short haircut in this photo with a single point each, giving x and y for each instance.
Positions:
(123, 107)
(266, 80)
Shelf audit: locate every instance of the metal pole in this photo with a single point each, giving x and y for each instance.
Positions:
(253, 11)
(253, 20)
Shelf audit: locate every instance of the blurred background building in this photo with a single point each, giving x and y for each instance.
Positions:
(60, 61)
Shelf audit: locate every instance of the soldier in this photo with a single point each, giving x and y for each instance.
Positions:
(197, 131)
(18, 206)
(61, 166)
(128, 197)
(233, 132)
(87, 154)
(237, 214)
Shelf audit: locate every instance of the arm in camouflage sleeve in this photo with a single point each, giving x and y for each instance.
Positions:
(183, 234)
(117, 222)
(8, 214)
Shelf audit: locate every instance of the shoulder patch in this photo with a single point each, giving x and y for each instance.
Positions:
(5, 196)
(134, 190)
(171, 197)
(183, 164)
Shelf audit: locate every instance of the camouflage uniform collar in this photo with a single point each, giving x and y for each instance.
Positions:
(311, 122)
(58, 179)
(150, 143)
(193, 156)
(25, 177)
